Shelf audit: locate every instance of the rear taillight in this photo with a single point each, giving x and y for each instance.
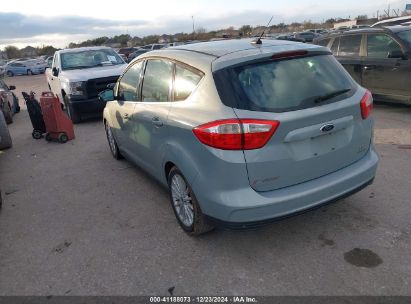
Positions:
(236, 134)
(366, 105)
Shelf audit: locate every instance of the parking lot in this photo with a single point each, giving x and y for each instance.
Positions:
(77, 222)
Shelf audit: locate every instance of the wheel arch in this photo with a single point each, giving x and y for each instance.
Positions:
(176, 156)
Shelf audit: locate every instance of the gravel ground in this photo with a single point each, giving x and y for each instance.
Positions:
(77, 222)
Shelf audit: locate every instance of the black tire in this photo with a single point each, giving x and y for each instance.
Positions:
(7, 114)
(63, 138)
(36, 134)
(72, 114)
(16, 104)
(48, 137)
(5, 138)
(10, 73)
(115, 152)
(29, 72)
(199, 225)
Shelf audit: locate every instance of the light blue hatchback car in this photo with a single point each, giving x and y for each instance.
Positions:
(23, 68)
(243, 133)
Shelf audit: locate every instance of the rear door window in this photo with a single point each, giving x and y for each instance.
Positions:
(350, 46)
(379, 45)
(285, 85)
(157, 81)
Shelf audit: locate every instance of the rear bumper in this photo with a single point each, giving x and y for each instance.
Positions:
(246, 208)
(84, 105)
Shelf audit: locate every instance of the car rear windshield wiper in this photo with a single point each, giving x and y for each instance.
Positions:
(330, 95)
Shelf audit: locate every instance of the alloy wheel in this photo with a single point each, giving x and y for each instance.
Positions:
(182, 200)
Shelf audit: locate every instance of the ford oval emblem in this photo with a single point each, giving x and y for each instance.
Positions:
(327, 128)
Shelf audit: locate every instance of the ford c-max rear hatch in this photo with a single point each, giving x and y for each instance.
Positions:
(321, 116)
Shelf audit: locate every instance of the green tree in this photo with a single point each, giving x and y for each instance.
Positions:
(12, 52)
(46, 50)
(245, 30)
(151, 39)
(122, 39)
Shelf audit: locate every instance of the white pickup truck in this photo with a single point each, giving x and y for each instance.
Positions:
(78, 75)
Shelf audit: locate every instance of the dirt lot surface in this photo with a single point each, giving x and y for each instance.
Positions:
(77, 222)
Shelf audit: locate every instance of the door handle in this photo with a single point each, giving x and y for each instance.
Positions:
(370, 67)
(125, 116)
(157, 121)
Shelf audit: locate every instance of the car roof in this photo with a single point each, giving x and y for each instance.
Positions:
(224, 53)
(398, 28)
(80, 49)
(383, 29)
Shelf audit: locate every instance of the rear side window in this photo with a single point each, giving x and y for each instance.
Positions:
(406, 37)
(350, 45)
(285, 85)
(324, 42)
(185, 82)
(379, 45)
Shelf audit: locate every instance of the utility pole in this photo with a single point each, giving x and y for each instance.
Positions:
(192, 17)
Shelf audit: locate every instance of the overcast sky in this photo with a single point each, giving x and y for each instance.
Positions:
(58, 22)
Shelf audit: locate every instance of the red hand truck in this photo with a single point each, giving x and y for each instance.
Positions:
(58, 125)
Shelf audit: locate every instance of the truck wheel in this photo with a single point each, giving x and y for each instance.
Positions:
(10, 73)
(74, 116)
(29, 72)
(5, 138)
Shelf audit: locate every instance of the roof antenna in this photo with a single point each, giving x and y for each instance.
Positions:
(258, 40)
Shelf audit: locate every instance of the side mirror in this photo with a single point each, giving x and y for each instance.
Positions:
(106, 95)
(396, 54)
(111, 86)
(12, 87)
(55, 71)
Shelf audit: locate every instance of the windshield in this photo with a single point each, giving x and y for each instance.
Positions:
(89, 59)
(285, 85)
(406, 36)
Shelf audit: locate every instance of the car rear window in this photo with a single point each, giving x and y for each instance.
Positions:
(284, 85)
(323, 42)
(406, 36)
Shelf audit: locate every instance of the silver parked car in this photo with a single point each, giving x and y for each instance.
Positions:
(243, 133)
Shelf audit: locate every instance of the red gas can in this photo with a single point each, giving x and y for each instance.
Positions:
(58, 125)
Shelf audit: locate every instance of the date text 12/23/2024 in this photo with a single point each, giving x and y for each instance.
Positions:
(203, 299)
